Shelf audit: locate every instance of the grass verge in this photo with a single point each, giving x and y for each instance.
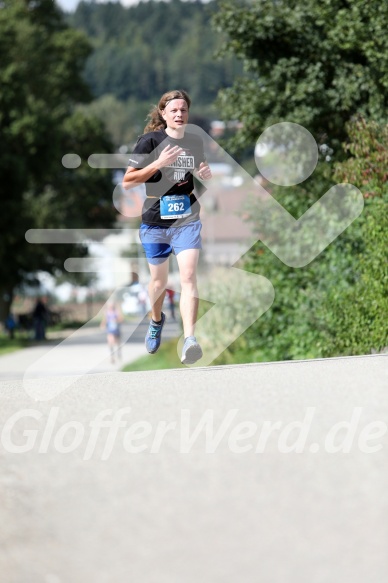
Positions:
(25, 339)
(7, 345)
(166, 357)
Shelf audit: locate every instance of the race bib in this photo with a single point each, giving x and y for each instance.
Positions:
(175, 206)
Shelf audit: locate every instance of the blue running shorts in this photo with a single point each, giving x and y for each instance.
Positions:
(160, 242)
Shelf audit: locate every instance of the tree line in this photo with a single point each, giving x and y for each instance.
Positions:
(141, 50)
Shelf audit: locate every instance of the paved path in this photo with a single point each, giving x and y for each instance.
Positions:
(84, 351)
(110, 489)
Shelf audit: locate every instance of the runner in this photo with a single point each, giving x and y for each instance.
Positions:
(165, 158)
(111, 321)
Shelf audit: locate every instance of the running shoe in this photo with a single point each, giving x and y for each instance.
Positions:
(154, 335)
(191, 351)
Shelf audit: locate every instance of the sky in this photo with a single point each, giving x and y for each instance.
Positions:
(70, 5)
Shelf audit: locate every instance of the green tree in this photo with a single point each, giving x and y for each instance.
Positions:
(41, 60)
(356, 320)
(317, 64)
(313, 63)
(123, 120)
(338, 304)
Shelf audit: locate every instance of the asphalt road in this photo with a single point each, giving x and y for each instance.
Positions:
(275, 473)
(83, 351)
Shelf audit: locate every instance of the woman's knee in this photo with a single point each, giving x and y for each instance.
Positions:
(188, 277)
(158, 283)
(159, 276)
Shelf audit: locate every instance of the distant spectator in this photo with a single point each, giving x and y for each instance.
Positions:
(142, 299)
(171, 302)
(134, 278)
(10, 325)
(40, 316)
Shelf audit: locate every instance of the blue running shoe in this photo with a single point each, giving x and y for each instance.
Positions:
(154, 335)
(191, 351)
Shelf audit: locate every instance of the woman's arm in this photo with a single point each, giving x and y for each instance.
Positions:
(135, 176)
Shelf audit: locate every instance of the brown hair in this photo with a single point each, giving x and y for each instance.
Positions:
(156, 122)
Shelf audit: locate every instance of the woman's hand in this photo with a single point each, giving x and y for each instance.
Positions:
(135, 176)
(204, 172)
(168, 156)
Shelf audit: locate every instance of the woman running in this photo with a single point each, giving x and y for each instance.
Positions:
(165, 158)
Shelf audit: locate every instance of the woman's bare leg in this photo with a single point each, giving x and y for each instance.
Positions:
(157, 288)
(187, 263)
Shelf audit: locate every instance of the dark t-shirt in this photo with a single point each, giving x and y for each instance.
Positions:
(176, 179)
